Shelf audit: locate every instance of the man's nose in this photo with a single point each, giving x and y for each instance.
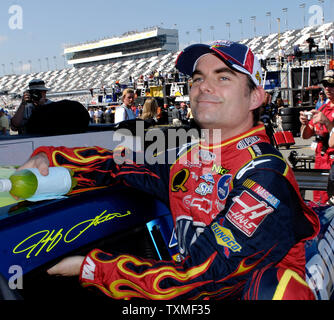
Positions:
(206, 85)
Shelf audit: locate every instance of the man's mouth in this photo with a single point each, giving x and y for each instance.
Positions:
(208, 99)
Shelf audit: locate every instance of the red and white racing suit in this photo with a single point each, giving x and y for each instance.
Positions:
(238, 216)
(324, 156)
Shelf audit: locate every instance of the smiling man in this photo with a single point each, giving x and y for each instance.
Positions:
(213, 97)
(240, 222)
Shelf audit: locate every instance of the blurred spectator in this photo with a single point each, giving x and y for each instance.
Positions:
(266, 112)
(150, 111)
(139, 111)
(169, 112)
(33, 99)
(311, 45)
(98, 115)
(124, 111)
(190, 117)
(162, 115)
(281, 55)
(9, 116)
(91, 114)
(176, 116)
(290, 59)
(298, 53)
(4, 123)
(263, 60)
(145, 81)
(183, 113)
(176, 76)
(108, 115)
(322, 100)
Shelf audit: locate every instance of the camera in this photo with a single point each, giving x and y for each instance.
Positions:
(35, 95)
(308, 115)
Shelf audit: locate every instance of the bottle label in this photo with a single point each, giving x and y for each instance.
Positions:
(53, 186)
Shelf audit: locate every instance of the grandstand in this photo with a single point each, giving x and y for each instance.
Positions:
(150, 42)
(78, 80)
(286, 40)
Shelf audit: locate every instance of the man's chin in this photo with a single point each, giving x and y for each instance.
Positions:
(205, 122)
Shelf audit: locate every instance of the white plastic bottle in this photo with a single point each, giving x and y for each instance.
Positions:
(29, 184)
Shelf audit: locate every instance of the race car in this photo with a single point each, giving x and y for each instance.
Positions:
(35, 235)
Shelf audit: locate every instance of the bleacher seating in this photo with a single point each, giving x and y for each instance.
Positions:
(85, 78)
(287, 40)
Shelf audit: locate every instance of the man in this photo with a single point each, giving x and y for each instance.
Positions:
(311, 44)
(298, 53)
(319, 125)
(281, 56)
(124, 111)
(263, 60)
(33, 98)
(176, 115)
(98, 115)
(4, 123)
(240, 221)
(321, 100)
(183, 112)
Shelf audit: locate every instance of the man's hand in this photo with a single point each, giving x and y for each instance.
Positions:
(319, 117)
(40, 161)
(67, 267)
(303, 117)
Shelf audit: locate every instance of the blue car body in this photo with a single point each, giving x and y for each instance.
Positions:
(35, 235)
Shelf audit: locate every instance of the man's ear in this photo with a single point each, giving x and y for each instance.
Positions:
(257, 98)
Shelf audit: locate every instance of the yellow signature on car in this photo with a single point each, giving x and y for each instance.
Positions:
(48, 239)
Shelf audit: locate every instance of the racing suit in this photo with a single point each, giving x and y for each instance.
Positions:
(324, 156)
(237, 212)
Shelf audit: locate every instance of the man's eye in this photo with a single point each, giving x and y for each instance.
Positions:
(223, 78)
(197, 79)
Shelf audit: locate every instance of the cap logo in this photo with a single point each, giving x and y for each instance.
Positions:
(221, 43)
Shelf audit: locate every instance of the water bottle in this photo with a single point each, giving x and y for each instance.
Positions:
(29, 184)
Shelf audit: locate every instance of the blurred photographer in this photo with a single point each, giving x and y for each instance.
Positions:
(319, 123)
(33, 98)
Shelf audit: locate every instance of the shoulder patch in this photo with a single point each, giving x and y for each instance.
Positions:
(247, 213)
(266, 161)
(247, 142)
(262, 192)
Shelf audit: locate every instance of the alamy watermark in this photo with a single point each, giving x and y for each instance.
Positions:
(155, 142)
(317, 15)
(15, 281)
(15, 21)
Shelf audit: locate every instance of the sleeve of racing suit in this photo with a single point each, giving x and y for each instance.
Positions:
(261, 222)
(98, 167)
